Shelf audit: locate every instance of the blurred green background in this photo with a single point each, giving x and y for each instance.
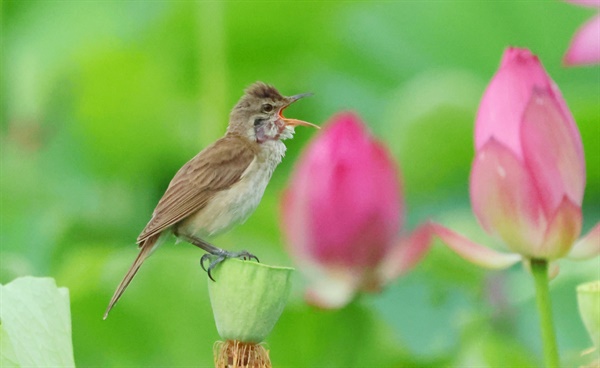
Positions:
(102, 102)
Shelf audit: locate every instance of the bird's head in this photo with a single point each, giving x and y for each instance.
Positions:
(258, 115)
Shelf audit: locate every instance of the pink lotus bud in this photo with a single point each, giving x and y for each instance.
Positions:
(528, 177)
(342, 214)
(584, 48)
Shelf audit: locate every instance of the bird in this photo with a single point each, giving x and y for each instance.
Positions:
(223, 184)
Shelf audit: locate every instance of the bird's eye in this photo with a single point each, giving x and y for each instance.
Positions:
(258, 121)
(267, 107)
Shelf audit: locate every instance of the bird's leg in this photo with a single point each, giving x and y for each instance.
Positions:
(215, 255)
(200, 243)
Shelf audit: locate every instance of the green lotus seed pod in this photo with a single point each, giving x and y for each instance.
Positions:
(588, 296)
(247, 298)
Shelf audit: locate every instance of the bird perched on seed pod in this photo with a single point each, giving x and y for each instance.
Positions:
(223, 184)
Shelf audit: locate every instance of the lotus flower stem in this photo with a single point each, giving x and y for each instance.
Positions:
(247, 299)
(539, 268)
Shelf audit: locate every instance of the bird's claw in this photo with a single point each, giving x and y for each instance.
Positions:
(204, 258)
(215, 259)
(246, 256)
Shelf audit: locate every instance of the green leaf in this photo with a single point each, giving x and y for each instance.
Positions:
(36, 324)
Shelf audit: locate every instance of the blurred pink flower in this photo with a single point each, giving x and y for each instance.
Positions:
(528, 176)
(584, 48)
(342, 214)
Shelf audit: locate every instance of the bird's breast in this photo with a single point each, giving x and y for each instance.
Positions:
(234, 205)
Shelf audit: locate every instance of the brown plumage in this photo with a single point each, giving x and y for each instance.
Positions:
(189, 191)
(222, 185)
(262, 90)
(197, 181)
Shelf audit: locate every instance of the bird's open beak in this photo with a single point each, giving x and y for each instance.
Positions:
(296, 122)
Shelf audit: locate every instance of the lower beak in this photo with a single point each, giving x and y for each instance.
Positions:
(296, 122)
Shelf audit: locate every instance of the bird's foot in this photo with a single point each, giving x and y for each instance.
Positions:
(220, 256)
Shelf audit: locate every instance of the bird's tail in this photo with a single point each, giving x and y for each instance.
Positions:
(146, 249)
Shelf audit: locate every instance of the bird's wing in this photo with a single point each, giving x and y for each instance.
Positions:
(217, 167)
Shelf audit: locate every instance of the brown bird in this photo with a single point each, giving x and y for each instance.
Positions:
(224, 183)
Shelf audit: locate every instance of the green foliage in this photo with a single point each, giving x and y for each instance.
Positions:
(103, 101)
(36, 324)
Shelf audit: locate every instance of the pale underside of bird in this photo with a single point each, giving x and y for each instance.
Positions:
(224, 183)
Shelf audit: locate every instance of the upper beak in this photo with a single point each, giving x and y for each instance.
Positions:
(295, 98)
(296, 122)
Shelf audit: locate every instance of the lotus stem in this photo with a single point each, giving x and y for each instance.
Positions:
(539, 268)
